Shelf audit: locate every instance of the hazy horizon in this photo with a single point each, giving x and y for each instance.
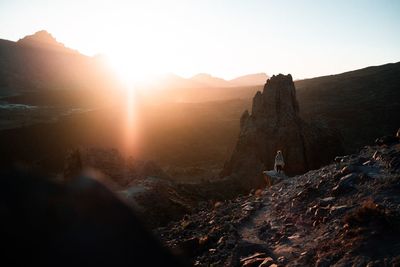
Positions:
(226, 39)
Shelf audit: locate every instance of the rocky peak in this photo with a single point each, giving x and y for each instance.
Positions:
(278, 100)
(274, 124)
(41, 38)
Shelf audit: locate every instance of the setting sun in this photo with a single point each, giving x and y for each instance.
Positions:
(135, 65)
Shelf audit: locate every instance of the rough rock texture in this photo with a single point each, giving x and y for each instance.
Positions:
(274, 124)
(157, 201)
(344, 214)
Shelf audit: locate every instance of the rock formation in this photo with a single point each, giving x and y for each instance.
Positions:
(334, 216)
(274, 124)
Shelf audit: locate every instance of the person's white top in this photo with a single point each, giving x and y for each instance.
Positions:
(279, 159)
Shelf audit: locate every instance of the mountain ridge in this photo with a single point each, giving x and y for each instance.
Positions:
(250, 79)
(38, 63)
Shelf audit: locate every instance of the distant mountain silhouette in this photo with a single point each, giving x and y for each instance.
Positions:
(250, 79)
(171, 80)
(246, 80)
(209, 80)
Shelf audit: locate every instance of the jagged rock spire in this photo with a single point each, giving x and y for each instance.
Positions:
(277, 99)
(274, 124)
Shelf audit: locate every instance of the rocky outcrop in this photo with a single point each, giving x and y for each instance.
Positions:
(344, 214)
(274, 124)
(40, 38)
(273, 177)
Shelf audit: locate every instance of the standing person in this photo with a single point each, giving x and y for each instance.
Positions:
(279, 162)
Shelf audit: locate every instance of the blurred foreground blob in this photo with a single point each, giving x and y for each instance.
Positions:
(79, 222)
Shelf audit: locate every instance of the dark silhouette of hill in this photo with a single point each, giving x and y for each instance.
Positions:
(362, 104)
(38, 63)
(209, 80)
(201, 87)
(174, 81)
(43, 39)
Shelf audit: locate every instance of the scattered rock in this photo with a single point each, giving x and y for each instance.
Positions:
(253, 262)
(255, 255)
(332, 216)
(218, 204)
(386, 140)
(266, 262)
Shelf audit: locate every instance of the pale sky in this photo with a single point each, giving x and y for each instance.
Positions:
(225, 38)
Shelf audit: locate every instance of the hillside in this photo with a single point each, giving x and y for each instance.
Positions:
(344, 214)
(39, 64)
(362, 104)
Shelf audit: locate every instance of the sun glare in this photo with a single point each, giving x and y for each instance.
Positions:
(130, 133)
(131, 71)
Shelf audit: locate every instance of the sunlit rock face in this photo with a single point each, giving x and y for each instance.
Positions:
(274, 124)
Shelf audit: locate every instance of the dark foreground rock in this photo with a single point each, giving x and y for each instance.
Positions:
(78, 223)
(274, 124)
(344, 214)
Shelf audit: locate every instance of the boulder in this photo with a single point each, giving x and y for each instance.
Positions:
(272, 177)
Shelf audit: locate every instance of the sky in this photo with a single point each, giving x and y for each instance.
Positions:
(225, 38)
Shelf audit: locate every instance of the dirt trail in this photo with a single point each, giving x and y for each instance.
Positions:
(249, 231)
(272, 227)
